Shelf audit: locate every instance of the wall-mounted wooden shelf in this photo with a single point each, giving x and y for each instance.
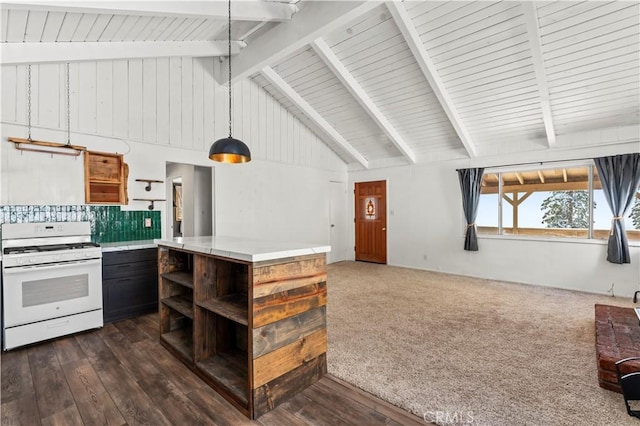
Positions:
(105, 177)
(151, 200)
(149, 182)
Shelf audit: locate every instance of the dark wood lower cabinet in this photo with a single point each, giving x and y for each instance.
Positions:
(129, 283)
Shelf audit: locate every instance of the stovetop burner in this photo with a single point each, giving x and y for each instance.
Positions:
(21, 250)
(48, 248)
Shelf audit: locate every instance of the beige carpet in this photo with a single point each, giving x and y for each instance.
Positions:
(469, 349)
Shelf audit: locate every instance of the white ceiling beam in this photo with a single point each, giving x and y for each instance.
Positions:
(323, 50)
(308, 110)
(30, 53)
(314, 20)
(531, 19)
(254, 10)
(411, 36)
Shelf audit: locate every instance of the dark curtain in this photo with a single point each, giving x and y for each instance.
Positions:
(620, 176)
(470, 184)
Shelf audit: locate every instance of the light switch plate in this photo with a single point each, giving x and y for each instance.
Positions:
(147, 222)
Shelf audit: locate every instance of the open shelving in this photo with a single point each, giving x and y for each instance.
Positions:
(176, 303)
(180, 277)
(225, 360)
(180, 340)
(181, 303)
(204, 316)
(231, 306)
(230, 369)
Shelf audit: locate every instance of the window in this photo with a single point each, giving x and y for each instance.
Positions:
(550, 202)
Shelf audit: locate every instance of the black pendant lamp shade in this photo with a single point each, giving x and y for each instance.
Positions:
(229, 150)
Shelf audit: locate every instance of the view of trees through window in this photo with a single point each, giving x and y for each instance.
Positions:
(550, 202)
(566, 209)
(635, 213)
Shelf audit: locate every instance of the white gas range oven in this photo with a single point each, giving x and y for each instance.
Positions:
(51, 281)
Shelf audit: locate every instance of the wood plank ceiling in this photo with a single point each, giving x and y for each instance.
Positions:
(382, 83)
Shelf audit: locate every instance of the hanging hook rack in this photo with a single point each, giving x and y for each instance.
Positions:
(19, 142)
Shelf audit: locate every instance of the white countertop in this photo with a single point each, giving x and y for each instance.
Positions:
(128, 245)
(244, 249)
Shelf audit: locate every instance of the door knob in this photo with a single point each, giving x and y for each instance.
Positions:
(384, 229)
(332, 225)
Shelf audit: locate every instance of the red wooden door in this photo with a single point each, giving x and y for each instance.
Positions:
(371, 221)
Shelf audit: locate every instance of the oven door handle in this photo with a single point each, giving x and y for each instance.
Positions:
(49, 266)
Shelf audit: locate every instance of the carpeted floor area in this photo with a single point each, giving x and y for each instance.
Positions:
(466, 350)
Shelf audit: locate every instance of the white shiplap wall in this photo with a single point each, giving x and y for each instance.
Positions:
(173, 102)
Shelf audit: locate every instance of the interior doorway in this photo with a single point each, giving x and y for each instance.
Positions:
(337, 222)
(371, 221)
(176, 202)
(190, 188)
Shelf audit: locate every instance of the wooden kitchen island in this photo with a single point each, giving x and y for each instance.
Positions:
(249, 317)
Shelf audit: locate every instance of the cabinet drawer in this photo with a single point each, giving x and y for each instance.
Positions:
(104, 167)
(127, 256)
(42, 330)
(148, 268)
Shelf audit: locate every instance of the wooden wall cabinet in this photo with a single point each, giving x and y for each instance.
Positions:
(105, 178)
(254, 331)
(129, 283)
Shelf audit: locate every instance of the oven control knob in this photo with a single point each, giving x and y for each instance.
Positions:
(32, 261)
(19, 261)
(56, 258)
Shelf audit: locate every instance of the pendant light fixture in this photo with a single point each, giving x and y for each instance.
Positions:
(229, 150)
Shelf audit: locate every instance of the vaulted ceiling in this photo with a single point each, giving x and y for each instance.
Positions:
(381, 83)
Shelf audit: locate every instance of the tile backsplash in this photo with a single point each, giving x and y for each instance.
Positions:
(108, 223)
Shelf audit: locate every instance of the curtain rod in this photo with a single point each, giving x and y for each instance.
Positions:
(536, 162)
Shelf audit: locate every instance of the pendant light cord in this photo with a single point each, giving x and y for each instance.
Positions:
(229, 69)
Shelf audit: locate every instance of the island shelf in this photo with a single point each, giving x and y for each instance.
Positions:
(250, 322)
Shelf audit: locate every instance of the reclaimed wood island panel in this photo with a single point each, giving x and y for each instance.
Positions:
(248, 317)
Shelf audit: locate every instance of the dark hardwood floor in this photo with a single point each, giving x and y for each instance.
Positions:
(121, 375)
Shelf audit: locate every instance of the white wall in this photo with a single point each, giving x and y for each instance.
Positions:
(169, 110)
(425, 219)
(167, 102)
(285, 203)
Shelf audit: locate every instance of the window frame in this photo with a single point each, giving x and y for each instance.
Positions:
(589, 239)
